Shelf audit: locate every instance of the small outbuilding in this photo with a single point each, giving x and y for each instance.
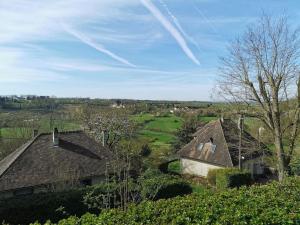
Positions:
(216, 145)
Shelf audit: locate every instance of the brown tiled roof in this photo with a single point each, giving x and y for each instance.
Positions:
(219, 157)
(38, 162)
(225, 136)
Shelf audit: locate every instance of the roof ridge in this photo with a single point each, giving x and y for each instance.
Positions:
(222, 128)
(18, 152)
(62, 132)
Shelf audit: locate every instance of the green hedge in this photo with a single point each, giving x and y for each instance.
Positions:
(211, 176)
(274, 203)
(232, 177)
(156, 185)
(43, 206)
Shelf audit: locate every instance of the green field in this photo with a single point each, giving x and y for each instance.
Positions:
(160, 131)
(207, 119)
(42, 125)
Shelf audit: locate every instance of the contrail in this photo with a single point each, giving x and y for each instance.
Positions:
(177, 24)
(171, 29)
(205, 18)
(96, 46)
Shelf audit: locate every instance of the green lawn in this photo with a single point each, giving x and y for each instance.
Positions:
(158, 130)
(42, 125)
(207, 118)
(142, 118)
(164, 124)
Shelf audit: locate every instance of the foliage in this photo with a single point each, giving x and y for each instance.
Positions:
(155, 185)
(184, 134)
(232, 177)
(274, 203)
(54, 206)
(174, 167)
(211, 176)
(295, 166)
(145, 151)
(107, 195)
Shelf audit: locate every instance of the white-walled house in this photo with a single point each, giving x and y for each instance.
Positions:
(216, 145)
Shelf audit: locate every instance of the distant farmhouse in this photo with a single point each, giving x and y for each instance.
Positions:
(51, 160)
(216, 145)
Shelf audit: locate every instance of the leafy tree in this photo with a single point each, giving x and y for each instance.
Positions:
(184, 134)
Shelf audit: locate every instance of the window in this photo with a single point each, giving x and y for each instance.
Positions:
(213, 148)
(199, 147)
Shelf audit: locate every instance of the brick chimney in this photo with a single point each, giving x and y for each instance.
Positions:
(55, 137)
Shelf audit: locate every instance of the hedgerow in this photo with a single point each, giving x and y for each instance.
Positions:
(274, 203)
(58, 205)
(232, 177)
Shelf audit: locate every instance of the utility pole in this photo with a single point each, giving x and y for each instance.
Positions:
(241, 127)
(260, 130)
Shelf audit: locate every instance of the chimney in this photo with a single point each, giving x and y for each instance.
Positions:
(222, 118)
(35, 132)
(55, 137)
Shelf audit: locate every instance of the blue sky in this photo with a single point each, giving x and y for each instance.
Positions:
(140, 49)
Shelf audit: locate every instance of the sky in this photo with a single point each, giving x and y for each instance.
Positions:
(133, 49)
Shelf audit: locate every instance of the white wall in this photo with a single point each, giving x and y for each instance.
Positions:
(193, 167)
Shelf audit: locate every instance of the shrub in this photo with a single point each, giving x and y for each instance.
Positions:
(211, 176)
(43, 206)
(145, 151)
(232, 177)
(174, 167)
(274, 203)
(295, 167)
(155, 185)
(100, 196)
(108, 195)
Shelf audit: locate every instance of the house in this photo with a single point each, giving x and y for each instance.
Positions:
(50, 161)
(216, 145)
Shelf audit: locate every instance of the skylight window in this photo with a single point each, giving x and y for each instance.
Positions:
(213, 148)
(199, 147)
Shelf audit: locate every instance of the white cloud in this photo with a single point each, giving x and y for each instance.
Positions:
(13, 69)
(171, 29)
(23, 20)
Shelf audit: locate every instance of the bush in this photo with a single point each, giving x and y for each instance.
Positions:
(211, 176)
(43, 206)
(295, 167)
(174, 167)
(274, 203)
(232, 177)
(155, 185)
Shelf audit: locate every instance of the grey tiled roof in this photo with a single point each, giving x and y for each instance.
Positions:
(38, 162)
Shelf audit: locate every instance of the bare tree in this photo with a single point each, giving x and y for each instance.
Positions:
(262, 67)
(109, 127)
(115, 130)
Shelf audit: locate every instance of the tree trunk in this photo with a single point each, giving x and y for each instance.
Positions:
(280, 157)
